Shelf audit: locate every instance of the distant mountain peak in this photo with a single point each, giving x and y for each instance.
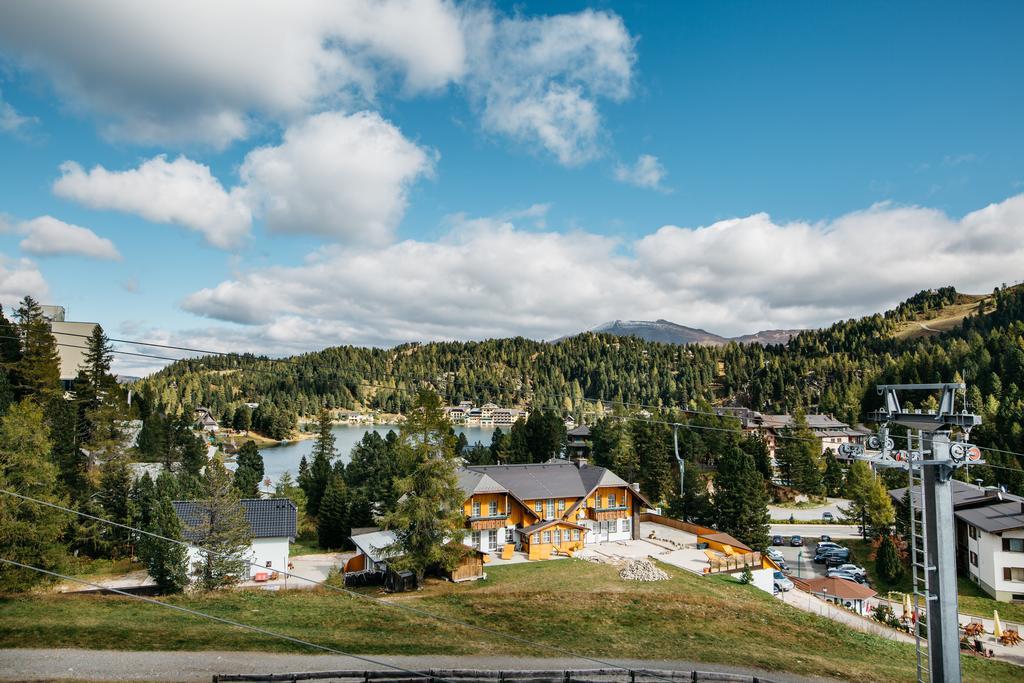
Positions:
(668, 332)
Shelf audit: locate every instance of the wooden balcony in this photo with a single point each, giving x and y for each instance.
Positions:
(604, 514)
(485, 522)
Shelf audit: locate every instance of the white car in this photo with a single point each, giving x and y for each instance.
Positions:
(850, 568)
(847, 576)
(774, 554)
(782, 582)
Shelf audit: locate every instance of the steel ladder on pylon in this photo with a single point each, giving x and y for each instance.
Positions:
(919, 564)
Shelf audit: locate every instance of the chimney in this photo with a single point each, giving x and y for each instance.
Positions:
(581, 462)
(635, 486)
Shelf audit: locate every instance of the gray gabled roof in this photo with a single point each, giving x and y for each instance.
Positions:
(582, 430)
(267, 517)
(988, 509)
(541, 480)
(472, 482)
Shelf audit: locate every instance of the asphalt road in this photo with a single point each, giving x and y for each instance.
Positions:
(833, 506)
(106, 665)
(814, 531)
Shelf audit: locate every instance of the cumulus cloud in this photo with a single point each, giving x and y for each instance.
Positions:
(487, 278)
(539, 80)
(646, 171)
(48, 236)
(167, 72)
(20, 278)
(344, 177)
(182, 191)
(336, 175)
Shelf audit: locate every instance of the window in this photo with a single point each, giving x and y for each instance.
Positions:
(551, 508)
(510, 535)
(575, 534)
(597, 500)
(558, 536)
(561, 505)
(547, 537)
(627, 525)
(535, 538)
(476, 539)
(1013, 573)
(974, 559)
(1013, 545)
(538, 507)
(611, 500)
(972, 531)
(476, 508)
(492, 508)
(492, 539)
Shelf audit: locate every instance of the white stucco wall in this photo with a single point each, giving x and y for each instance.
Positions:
(262, 550)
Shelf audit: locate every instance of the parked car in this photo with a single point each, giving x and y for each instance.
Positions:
(825, 538)
(827, 516)
(776, 557)
(782, 582)
(836, 559)
(826, 545)
(796, 541)
(832, 557)
(847, 575)
(778, 540)
(852, 568)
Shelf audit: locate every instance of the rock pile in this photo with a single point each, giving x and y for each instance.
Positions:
(642, 570)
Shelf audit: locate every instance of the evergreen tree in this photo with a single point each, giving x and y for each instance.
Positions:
(29, 532)
(879, 508)
(799, 457)
(623, 456)
(249, 472)
(741, 501)
(166, 562)
(221, 527)
(756, 447)
(497, 445)
(428, 514)
(887, 561)
(286, 487)
(94, 379)
(859, 481)
(832, 480)
(333, 527)
(114, 497)
(694, 505)
(242, 419)
(144, 499)
(10, 344)
(38, 368)
(324, 452)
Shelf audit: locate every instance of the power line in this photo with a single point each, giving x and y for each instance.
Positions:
(223, 620)
(340, 589)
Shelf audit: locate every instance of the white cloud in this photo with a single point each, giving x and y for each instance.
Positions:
(344, 177)
(10, 120)
(486, 278)
(647, 172)
(47, 236)
(164, 72)
(182, 191)
(539, 80)
(20, 278)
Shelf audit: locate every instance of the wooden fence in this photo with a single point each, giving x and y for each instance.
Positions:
(511, 676)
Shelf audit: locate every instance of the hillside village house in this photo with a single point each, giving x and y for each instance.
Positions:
(989, 538)
(540, 509)
(831, 432)
(487, 415)
(545, 508)
(205, 420)
(272, 521)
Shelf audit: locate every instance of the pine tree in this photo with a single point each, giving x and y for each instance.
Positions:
(332, 525)
(887, 561)
(249, 472)
(324, 452)
(858, 487)
(741, 500)
(428, 514)
(166, 562)
(694, 505)
(242, 419)
(38, 369)
(222, 528)
(879, 508)
(114, 496)
(799, 456)
(94, 378)
(832, 480)
(29, 533)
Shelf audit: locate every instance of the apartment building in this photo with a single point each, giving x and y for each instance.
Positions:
(989, 538)
(547, 508)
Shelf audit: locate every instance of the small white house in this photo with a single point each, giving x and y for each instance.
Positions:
(273, 523)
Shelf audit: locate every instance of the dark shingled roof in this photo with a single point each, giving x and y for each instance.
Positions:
(551, 479)
(267, 517)
(582, 430)
(990, 510)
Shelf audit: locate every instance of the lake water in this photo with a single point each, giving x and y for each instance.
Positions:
(280, 459)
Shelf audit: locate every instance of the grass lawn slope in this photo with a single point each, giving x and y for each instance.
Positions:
(570, 604)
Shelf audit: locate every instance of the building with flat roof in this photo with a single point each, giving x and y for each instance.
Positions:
(71, 340)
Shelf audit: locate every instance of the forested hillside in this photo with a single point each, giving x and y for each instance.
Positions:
(832, 370)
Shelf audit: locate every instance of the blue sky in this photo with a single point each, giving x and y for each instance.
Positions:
(375, 173)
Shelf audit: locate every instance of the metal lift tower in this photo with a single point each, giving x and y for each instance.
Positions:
(931, 457)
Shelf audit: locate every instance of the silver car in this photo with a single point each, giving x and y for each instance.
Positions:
(782, 582)
(850, 568)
